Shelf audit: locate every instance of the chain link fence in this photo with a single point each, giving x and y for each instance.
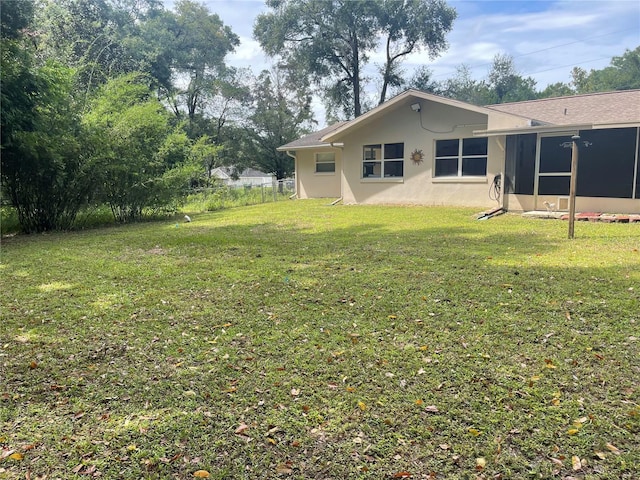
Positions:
(225, 196)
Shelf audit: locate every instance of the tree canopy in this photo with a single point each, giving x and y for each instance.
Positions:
(332, 40)
(281, 111)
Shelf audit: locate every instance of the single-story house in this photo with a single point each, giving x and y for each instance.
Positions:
(419, 148)
(247, 177)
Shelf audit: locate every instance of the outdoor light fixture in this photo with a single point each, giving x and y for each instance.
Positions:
(415, 107)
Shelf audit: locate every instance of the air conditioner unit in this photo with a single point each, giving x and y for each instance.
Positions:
(563, 203)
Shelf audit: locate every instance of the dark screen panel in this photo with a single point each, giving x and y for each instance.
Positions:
(554, 185)
(606, 163)
(638, 170)
(555, 154)
(520, 163)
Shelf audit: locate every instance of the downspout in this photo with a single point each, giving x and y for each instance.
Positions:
(502, 173)
(295, 171)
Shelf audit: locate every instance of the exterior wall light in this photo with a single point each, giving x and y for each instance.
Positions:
(415, 107)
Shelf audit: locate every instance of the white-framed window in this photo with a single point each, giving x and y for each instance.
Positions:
(383, 160)
(326, 162)
(461, 157)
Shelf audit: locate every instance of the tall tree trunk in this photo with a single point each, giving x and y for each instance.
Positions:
(357, 108)
(385, 74)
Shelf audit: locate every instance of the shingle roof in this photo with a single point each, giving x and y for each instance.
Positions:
(311, 140)
(617, 107)
(608, 107)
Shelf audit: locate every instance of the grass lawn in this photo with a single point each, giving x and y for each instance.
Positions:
(298, 340)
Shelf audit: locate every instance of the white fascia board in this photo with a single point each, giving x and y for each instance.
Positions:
(537, 129)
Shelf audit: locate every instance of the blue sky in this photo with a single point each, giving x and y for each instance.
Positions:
(546, 38)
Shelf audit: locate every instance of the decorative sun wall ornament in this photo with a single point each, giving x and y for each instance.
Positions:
(417, 156)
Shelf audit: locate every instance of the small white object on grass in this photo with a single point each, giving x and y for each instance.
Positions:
(187, 218)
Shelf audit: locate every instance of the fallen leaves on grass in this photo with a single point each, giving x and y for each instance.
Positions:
(576, 463)
(431, 409)
(480, 463)
(223, 325)
(362, 406)
(85, 470)
(241, 430)
(285, 468)
(613, 449)
(201, 474)
(557, 461)
(403, 474)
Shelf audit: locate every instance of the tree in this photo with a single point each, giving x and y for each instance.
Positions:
(622, 74)
(422, 80)
(332, 40)
(411, 25)
(142, 161)
(462, 86)
(281, 110)
(44, 169)
(198, 44)
(559, 89)
(506, 84)
(15, 16)
(205, 154)
(43, 172)
(101, 39)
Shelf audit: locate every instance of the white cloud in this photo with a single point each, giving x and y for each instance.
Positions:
(550, 41)
(248, 50)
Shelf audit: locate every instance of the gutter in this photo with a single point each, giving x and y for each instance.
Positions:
(536, 129)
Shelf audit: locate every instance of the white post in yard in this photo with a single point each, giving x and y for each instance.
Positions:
(572, 187)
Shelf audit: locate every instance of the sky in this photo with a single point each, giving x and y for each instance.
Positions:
(546, 38)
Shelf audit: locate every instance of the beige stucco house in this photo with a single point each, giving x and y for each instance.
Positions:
(419, 148)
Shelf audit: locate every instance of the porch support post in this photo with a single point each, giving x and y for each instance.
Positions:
(574, 181)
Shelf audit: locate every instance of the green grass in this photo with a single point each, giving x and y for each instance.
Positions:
(221, 197)
(298, 340)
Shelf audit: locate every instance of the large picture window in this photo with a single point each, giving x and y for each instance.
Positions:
(326, 162)
(465, 157)
(383, 160)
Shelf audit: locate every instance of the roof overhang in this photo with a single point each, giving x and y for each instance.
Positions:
(305, 147)
(573, 128)
(399, 99)
(310, 147)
